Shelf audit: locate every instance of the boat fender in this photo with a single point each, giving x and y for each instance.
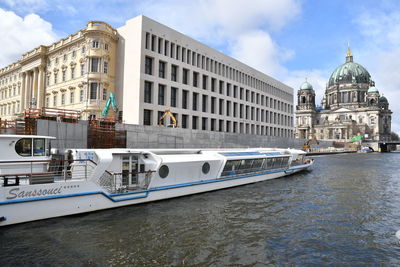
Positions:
(3, 218)
(307, 161)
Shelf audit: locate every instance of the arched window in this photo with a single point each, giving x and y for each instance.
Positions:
(24, 147)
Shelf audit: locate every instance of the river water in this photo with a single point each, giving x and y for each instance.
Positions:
(343, 213)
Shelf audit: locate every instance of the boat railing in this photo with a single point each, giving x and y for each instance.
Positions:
(31, 172)
(118, 182)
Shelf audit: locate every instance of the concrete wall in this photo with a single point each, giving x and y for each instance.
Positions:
(69, 135)
(139, 136)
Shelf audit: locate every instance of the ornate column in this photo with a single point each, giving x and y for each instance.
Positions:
(23, 92)
(41, 89)
(35, 85)
(27, 89)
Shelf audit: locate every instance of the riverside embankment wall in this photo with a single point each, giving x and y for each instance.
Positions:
(74, 135)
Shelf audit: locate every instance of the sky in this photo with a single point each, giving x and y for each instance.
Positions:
(289, 40)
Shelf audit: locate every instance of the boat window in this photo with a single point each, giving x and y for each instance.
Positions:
(285, 162)
(48, 147)
(38, 147)
(206, 168)
(230, 167)
(257, 163)
(163, 172)
(246, 164)
(277, 163)
(24, 147)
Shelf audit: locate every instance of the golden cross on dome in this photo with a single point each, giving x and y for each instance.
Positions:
(348, 50)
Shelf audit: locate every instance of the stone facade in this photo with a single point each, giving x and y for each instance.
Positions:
(76, 72)
(351, 106)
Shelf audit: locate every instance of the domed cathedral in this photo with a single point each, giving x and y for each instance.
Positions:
(351, 106)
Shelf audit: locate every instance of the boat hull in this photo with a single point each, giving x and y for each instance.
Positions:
(85, 196)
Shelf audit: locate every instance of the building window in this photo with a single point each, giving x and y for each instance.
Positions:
(213, 81)
(185, 94)
(83, 50)
(174, 73)
(148, 66)
(93, 90)
(72, 73)
(195, 79)
(213, 99)
(72, 97)
(184, 121)
(204, 103)
(82, 69)
(81, 95)
(105, 67)
(204, 124)
(64, 75)
(174, 96)
(55, 78)
(185, 76)
(147, 117)
(94, 64)
(194, 122)
(205, 80)
(47, 101)
(161, 94)
(62, 99)
(105, 46)
(104, 93)
(95, 44)
(147, 91)
(48, 81)
(73, 53)
(194, 102)
(161, 69)
(54, 100)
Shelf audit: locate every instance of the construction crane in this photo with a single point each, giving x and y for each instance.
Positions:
(110, 102)
(173, 119)
(306, 145)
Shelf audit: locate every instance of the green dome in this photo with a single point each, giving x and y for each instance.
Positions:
(349, 72)
(373, 89)
(383, 99)
(306, 86)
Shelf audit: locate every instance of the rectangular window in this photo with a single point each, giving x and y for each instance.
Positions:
(54, 100)
(72, 73)
(213, 99)
(147, 117)
(213, 82)
(47, 101)
(185, 95)
(71, 97)
(185, 76)
(174, 96)
(204, 124)
(184, 121)
(204, 103)
(221, 107)
(161, 94)
(82, 69)
(148, 86)
(195, 79)
(93, 90)
(64, 75)
(174, 73)
(194, 102)
(94, 64)
(161, 69)
(81, 95)
(106, 47)
(205, 80)
(62, 99)
(194, 122)
(105, 67)
(55, 78)
(95, 44)
(221, 87)
(147, 40)
(228, 89)
(148, 66)
(153, 43)
(104, 94)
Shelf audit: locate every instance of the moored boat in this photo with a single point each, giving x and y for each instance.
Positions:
(34, 186)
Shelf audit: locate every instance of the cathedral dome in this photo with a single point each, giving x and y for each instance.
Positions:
(349, 72)
(383, 99)
(373, 89)
(306, 86)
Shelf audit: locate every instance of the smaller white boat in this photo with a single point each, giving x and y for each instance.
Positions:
(34, 187)
(365, 149)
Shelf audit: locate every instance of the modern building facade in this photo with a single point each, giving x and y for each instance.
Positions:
(205, 89)
(150, 68)
(352, 106)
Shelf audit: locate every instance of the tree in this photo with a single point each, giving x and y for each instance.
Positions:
(394, 136)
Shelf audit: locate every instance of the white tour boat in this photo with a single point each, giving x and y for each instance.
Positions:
(34, 186)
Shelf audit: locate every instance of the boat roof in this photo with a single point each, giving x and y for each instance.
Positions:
(25, 136)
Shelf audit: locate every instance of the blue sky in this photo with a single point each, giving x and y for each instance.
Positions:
(287, 39)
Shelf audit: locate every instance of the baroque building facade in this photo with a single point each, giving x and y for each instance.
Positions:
(351, 106)
(76, 72)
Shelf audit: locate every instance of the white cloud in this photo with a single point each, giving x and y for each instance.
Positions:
(21, 34)
(24, 6)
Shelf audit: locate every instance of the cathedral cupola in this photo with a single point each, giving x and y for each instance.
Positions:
(306, 97)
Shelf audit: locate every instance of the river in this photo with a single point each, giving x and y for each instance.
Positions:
(345, 212)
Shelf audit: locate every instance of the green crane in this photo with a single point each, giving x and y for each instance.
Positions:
(110, 101)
